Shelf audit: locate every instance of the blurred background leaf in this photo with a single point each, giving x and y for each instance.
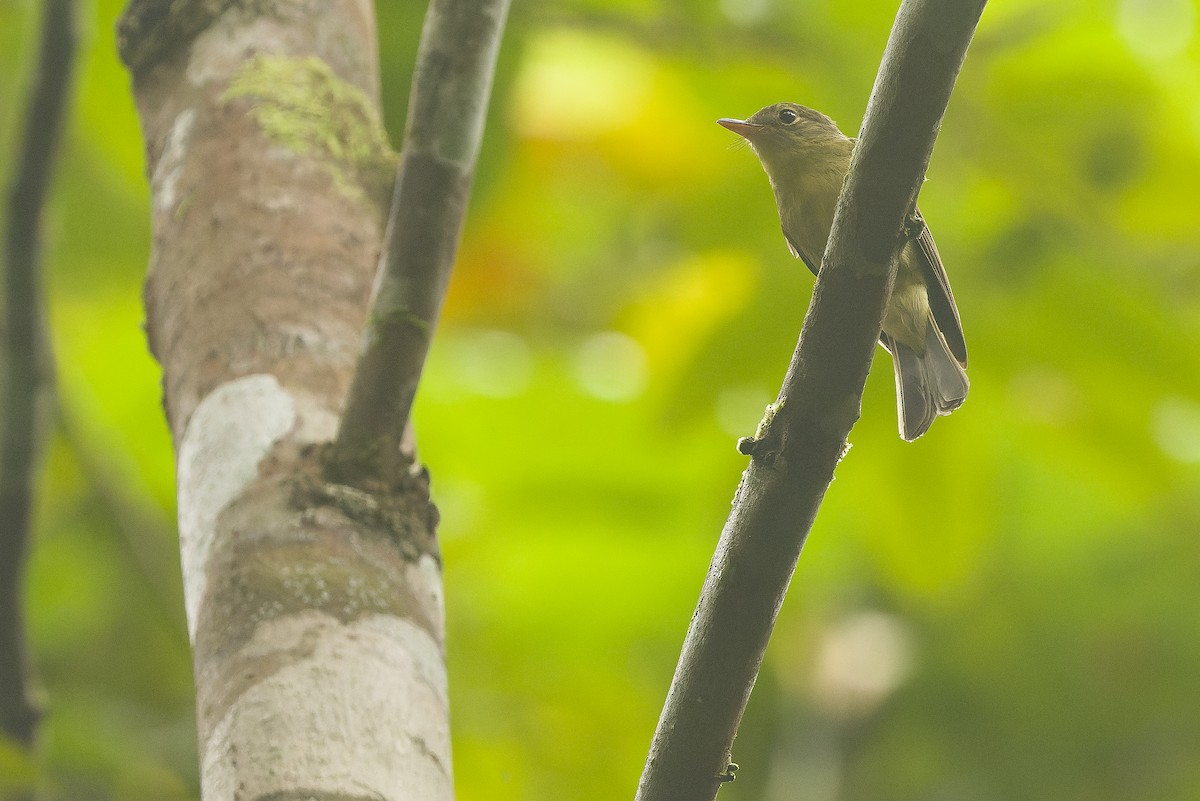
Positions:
(1004, 610)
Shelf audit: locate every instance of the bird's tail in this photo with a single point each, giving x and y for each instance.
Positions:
(927, 384)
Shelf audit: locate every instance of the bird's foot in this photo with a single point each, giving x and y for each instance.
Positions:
(914, 226)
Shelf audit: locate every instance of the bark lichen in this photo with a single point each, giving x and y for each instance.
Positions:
(301, 105)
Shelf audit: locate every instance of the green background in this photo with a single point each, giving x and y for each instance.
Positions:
(1006, 609)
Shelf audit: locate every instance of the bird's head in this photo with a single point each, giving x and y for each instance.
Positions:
(786, 133)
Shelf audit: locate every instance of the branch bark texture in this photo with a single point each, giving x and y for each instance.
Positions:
(25, 367)
(314, 608)
(804, 434)
(449, 100)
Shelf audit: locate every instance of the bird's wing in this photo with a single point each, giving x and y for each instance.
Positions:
(937, 287)
(941, 298)
(813, 267)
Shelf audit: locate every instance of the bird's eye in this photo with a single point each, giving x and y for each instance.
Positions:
(787, 116)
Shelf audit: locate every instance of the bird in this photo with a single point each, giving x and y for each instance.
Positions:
(806, 158)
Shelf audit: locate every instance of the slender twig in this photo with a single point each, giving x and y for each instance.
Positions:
(24, 360)
(804, 436)
(449, 100)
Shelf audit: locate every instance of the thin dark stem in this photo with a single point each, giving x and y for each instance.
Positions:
(24, 360)
(804, 436)
(450, 94)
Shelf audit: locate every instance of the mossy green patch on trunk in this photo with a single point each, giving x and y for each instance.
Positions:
(303, 106)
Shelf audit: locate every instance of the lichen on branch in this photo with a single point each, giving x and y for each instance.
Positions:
(301, 105)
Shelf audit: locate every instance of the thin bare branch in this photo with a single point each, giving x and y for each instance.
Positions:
(24, 360)
(449, 101)
(804, 434)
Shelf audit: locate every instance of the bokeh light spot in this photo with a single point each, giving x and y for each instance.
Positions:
(862, 659)
(497, 364)
(745, 12)
(573, 85)
(1177, 429)
(611, 366)
(1157, 29)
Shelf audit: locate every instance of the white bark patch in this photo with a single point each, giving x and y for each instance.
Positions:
(359, 709)
(227, 436)
(425, 579)
(165, 179)
(314, 422)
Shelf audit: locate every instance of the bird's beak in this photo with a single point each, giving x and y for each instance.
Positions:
(740, 127)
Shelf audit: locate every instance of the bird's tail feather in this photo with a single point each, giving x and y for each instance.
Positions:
(928, 384)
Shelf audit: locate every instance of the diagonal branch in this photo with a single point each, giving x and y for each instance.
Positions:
(449, 101)
(804, 434)
(24, 358)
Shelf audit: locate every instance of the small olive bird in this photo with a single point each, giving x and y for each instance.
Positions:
(806, 159)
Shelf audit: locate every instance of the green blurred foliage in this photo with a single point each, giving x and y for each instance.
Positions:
(1003, 610)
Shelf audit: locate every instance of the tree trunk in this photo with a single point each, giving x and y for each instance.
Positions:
(314, 608)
